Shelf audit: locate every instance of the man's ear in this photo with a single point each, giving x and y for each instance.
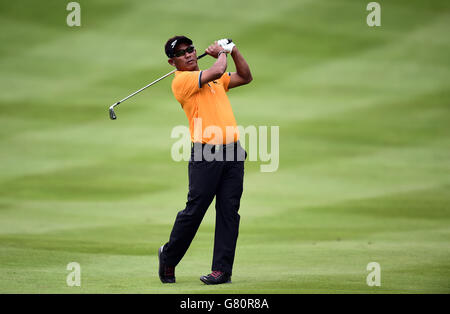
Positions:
(171, 62)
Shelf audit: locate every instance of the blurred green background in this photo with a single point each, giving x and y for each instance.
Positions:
(364, 174)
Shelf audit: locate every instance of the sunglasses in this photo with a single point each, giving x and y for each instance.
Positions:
(182, 52)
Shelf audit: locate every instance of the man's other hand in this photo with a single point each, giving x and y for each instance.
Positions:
(228, 47)
(214, 50)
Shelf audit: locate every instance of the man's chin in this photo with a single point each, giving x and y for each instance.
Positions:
(193, 65)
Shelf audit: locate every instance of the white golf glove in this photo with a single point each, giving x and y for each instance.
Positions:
(228, 47)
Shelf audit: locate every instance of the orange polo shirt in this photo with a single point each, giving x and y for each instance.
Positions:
(207, 107)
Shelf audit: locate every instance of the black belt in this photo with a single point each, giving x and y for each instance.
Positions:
(216, 147)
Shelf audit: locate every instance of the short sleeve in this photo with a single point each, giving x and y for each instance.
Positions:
(225, 79)
(185, 84)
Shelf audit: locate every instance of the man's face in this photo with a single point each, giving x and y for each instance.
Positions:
(186, 62)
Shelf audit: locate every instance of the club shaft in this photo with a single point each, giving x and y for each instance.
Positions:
(154, 82)
(140, 90)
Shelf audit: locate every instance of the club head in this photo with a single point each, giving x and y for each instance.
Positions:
(112, 114)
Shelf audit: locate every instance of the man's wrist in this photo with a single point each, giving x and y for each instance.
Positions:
(220, 52)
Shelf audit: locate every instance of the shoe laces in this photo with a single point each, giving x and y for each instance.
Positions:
(216, 273)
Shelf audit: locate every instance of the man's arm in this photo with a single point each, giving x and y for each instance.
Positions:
(218, 68)
(242, 75)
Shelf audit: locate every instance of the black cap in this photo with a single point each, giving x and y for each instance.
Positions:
(172, 43)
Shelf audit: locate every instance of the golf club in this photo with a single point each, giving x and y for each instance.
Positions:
(112, 114)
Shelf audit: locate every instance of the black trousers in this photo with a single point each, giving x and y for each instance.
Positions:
(222, 179)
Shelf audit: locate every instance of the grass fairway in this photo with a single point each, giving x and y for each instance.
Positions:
(364, 173)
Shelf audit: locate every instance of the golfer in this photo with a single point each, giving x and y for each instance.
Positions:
(216, 167)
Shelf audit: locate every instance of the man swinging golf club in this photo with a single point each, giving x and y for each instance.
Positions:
(202, 95)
